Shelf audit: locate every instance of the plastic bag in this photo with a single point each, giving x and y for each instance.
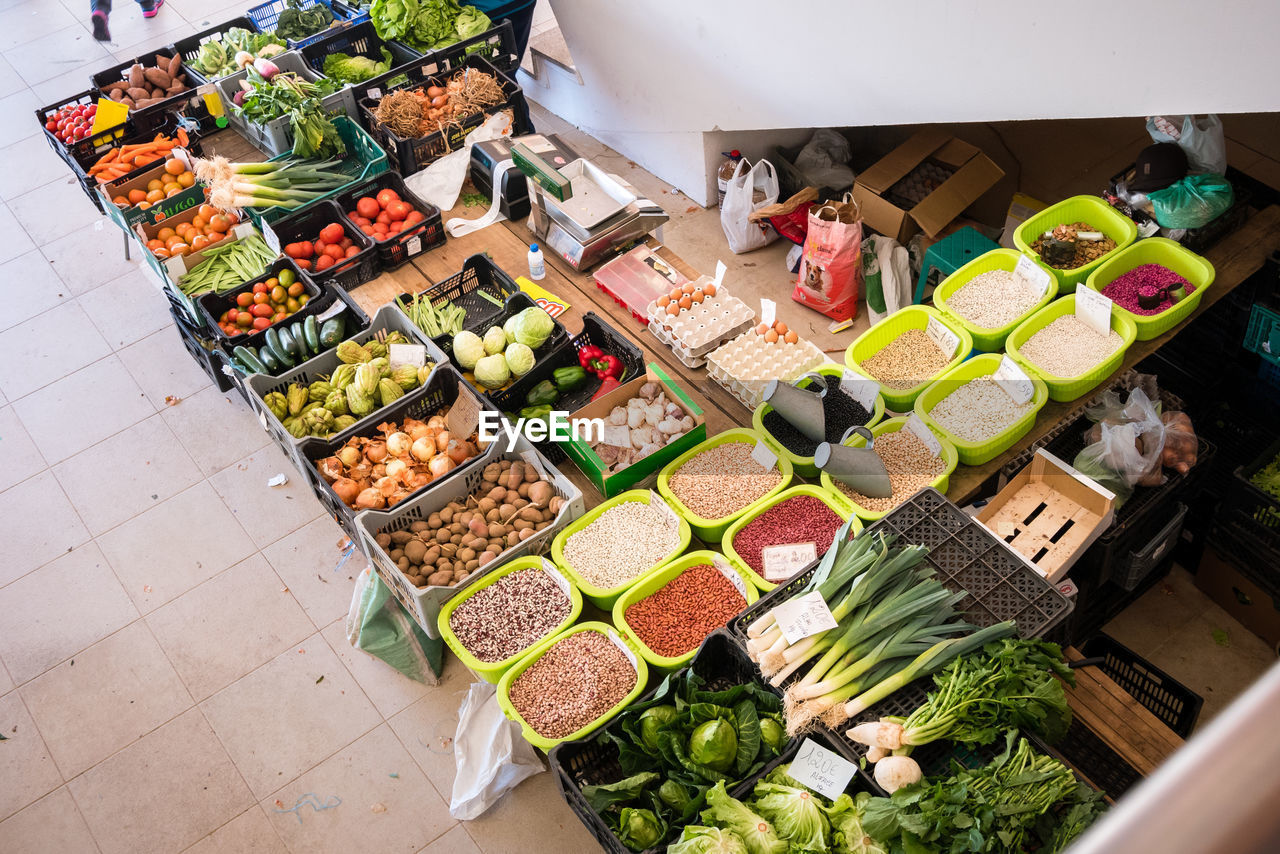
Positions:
(1194, 201)
(1123, 449)
(790, 218)
(892, 290)
(1201, 138)
(824, 160)
(441, 182)
(830, 277)
(492, 756)
(740, 201)
(378, 625)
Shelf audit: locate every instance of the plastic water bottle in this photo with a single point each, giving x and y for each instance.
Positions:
(537, 266)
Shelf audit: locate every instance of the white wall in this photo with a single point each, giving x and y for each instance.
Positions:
(658, 72)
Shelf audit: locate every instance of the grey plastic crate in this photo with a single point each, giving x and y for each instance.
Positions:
(387, 319)
(276, 136)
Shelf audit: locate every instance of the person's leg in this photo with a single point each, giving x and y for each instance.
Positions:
(150, 7)
(99, 11)
(521, 24)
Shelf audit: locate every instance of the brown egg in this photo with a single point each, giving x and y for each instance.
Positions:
(791, 337)
(673, 309)
(709, 290)
(663, 301)
(675, 294)
(696, 296)
(780, 327)
(686, 302)
(771, 336)
(761, 329)
(688, 289)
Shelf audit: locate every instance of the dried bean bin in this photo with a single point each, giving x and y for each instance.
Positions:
(1169, 254)
(470, 289)
(1090, 209)
(349, 273)
(399, 248)
(659, 579)
(388, 319)
(423, 604)
(189, 48)
(949, 459)
(977, 453)
(1066, 389)
(492, 671)
(839, 505)
(213, 304)
(604, 597)
(541, 742)
(804, 466)
(988, 339)
(711, 530)
(886, 332)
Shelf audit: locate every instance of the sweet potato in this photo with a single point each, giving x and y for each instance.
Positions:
(156, 77)
(137, 93)
(136, 78)
(119, 87)
(128, 101)
(174, 65)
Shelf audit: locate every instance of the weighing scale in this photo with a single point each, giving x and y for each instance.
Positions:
(512, 188)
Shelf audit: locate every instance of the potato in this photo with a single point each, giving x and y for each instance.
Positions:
(522, 524)
(442, 535)
(119, 86)
(513, 539)
(531, 474)
(487, 557)
(458, 528)
(472, 565)
(460, 575)
(495, 514)
(431, 555)
(504, 464)
(403, 563)
(383, 539)
(526, 534)
(401, 537)
(448, 550)
(484, 505)
(446, 515)
(456, 539)
(434, 520)
(420, 525)
(520, 503)
(506, 511)
(497, 530)
(498, 494)
(415, 551)
(440, 578)
(540, 525)
(491, 472)
(540, 492)
(531, 514)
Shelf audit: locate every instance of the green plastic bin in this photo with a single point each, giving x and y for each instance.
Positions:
(977, 453)
(711, 530)
(513, 673)
(1064, 389)
(492, 671)
(950, 459)
(1167, 253)
(803, 466)
(886, 331)
(655, 582)
(605, 597)
(1090, 209)
(841, 505)
(986, 339)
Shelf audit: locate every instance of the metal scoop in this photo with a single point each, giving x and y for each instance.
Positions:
(800, 407)
(861, 469)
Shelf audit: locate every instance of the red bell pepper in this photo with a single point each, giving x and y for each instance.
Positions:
(608, 385)
(608, 365)
(587, 354)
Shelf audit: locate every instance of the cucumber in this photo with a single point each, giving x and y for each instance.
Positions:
(252, 362)
(311, 329)
(331, 332)
(268, 358)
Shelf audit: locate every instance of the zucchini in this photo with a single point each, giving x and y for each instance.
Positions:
(272, 341)
(274, 365)
(331, 332)
(245, 355)
(311, 329)
(287, 342)
(295, 330)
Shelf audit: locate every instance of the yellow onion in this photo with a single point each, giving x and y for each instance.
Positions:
(346, 489)
(415, 428)
(398, 444)
(350, 456)
(439, 465)
(397, 469)
(370, 499)
(330, 468)
(458, 451)
(379, 471)
(442, 440)
(376, 451)
(386, 485)
(423, 449)
(416, 479)
(437, 421)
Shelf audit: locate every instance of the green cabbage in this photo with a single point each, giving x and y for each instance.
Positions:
(754, 830)
(794, 811)
(707, 840)
(470, 22)
(654, 719)
(468, 348)
(772, 733)
(533, 327)
(212, 56)
(845, 815)
(519, 358)
(714, 744)
(392, 19)
(495, 341)
(492, 371)
(639, 829)
(355, 69)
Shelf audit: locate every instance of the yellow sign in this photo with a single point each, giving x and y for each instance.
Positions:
(109, 114)
(551, 304)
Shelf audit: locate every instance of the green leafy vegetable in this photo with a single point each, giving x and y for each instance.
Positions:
(639, 829)
(604, 796)
(796, 812)
(355, 69)
(296, 22)
(696, 839)
(714, 743)
(754, 830)
(427, 24)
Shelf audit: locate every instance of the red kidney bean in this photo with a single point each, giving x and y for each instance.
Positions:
(677, 617)
(800, 519)
(1123, 289)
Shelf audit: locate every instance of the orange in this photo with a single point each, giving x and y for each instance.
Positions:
(199, 242)
(186, 179)
(155, 243)
(179, 249)
(155, 184)
(215, 236)
(165, 233)
(172, 241)
(160, 253)
(207, 211)
(172, 187)
(142, 206)
(199, 222)
(174, 166)
(136, 196)
(220, 222)
(121, 201)
(154, 196)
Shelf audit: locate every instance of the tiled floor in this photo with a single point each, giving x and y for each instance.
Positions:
(174, 670)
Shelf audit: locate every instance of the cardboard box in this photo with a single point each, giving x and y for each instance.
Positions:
(192, 196)
(1224, 583)
(972, 175)
(594, 468)
(1021, 209)
(1049, 514)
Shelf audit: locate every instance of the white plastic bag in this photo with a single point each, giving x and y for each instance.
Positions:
(895, 277)
(824, 160)
(1201, 138)
(1124, 449)
(376, 624)
(742, 234)
(493, 757)
(441, 182)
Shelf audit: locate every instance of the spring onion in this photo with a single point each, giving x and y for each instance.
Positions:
(282, 183)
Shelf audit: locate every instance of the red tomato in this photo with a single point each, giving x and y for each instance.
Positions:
(334, 251)
(332, 233)
(324, 262)
(398, 210)
(368, 207)
(383, 218)
(352, 251)
(244, 300)
(353, 216)
(346, 243)
(413, 218)
(293, 250)
(260, 288)
(303, 263)
(396, 227)
(261, 310)
(368, 229)
(308, 249)
(320, 246)
(261, 322)
(386, 197)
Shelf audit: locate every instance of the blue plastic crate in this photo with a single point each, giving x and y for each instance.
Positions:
(265, 16)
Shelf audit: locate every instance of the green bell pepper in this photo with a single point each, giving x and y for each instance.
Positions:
(544, 393)
(567, 379)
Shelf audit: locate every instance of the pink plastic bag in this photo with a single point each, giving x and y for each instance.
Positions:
(830, 277)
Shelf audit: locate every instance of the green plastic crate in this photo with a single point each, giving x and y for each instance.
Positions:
(1263, 335)
(605, 597)
(1065, 389)
(541, 742)
(841, 505)
(803, 466)
(886, 331)
(1167, 253)
(1090, 209)
(987, 339)
(977, 453)
(950, 459)
(711, 530)
(655, 582)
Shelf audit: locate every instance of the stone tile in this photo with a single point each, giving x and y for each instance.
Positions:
(231, 624)
(52, 823)
(202, 16)
(310, 561)
(289, 714)
(18, 242)
(59, 208)
(25, 764)
(39, 165)
(163, 368)
(238, 432)
(29, 21)
(105, 698)
(49, 55)
(1163, 611)
(387, 803)
(202, 539)
(426, 729)
(6, 684)
(58, 415)
(127, 309)
(127, 474)
(389, 689)
(533, 810)
(47, 347)
(146, 34)
(30, 287)
(41, 525)
(17, 121)
(162, 793)
(91, 256)
(23, 456)
(10, 80)
(127, 50)
(50, 615)
(456, 841)
(70, 81)
(267, 513)
(248, 833)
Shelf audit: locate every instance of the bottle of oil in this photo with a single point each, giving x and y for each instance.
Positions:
(726, 170)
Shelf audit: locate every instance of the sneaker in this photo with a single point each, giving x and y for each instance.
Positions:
(100, 31)
(155, 7)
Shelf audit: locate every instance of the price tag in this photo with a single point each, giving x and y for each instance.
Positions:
(785, 560)
(374, 93)
(663, 509)
(334, 310)
(550, 569)
(1093, 310)
(407, 354)
(804, 616)
(727, 571)
(626, 650)
(766, 458)
(768, 311)
(531, 458)
(860, 388)
(721, 269)
(922, 432)
(464, 415)
(1029, 274)
(270, 238)
(1010, 377)
(939, 334)
(825, 772)
(414, 246)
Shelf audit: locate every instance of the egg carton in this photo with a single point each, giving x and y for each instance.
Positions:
(745, 365)
(681, 353)
(706, 325)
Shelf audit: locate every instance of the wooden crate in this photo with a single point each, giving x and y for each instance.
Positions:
(1049, 514)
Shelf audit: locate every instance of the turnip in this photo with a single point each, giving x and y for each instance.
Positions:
(894, 772)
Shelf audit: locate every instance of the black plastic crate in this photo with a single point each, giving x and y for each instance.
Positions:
(1259, 508)
(95, 145)
(1159, 693)
(417, 153)
(400, 248)
(555, 343)
(349, 273)
(189, 48)
(169, 125)
(1089, 755)
(1243, 553)
(212, 304)
(358, 40)
(480, 288)
(117, 72)
(203, 350)
(496, 44)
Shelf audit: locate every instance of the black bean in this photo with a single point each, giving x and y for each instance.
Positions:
(840, 412)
